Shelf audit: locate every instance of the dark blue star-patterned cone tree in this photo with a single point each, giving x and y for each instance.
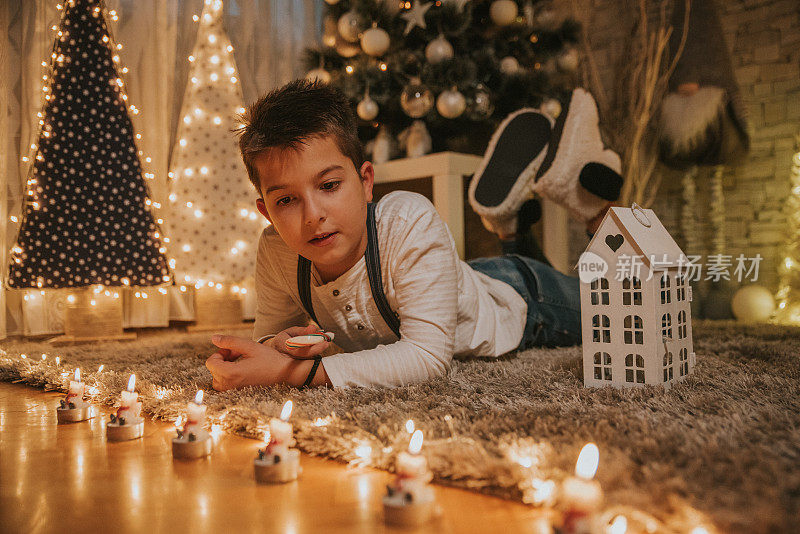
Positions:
(86, 219)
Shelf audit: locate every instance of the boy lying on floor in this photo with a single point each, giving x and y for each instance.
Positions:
(385, 278)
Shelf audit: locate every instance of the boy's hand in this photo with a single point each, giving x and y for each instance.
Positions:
(303, 353)
(242, 362)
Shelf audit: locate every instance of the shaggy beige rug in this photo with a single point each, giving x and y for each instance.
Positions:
(721, 450)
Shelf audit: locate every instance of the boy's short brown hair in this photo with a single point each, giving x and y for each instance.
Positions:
(290, 115)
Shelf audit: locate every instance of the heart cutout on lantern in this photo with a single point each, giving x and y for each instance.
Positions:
(614, 241)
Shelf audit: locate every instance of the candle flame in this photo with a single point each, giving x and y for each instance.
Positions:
(619, 525)
(415, 445)
(410, 426)
(132, 383)
(100, 369)
(363, 451)
(179, 421)
(588, 460)
(286, 411)
(198, 399)
(267, 436)
(78, 374)
(58, 360)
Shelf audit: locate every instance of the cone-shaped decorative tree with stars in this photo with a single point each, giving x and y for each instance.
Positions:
(213, 225)
(86, 217)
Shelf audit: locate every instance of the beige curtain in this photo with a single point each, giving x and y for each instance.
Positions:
(157, 36)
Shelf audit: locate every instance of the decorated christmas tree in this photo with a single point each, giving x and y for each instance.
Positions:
(213, 225)
(86, 219)
(460, 66)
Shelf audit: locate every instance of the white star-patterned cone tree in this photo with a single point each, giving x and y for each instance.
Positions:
(86, 219)
(213, 224)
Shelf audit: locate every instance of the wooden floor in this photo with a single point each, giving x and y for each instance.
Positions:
(67, 478)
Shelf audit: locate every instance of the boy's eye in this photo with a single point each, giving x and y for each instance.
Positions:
(330, 186)
(283, 201)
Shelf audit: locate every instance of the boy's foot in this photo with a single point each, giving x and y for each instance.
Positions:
(504, 178)
(523, 242)
(578, 172)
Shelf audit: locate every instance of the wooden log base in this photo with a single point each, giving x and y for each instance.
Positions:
(287, 470)
(126, 432)
(74, 415)
(72, 340)
(409, 515)
(218, 327)
(191, 450)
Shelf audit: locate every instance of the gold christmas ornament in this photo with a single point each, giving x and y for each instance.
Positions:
(503, 12)
(416, 99)
(438, 50)
(451, 103)
(509, 65)
(375, 41)
(349, 26)
(753, 304)
(367, 109)
(319, 74)
(568, 61)
(551, 107)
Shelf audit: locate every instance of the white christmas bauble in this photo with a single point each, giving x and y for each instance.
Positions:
(753, 304)
(451, 104)
(552, 107)
(568, 61)
(319, 74)
(509, 65)
(367, 109)
(349, 26)
(346, 49)
(382, 146)
(438, 50)
(503, 12)
(375, 41)
(416, 100)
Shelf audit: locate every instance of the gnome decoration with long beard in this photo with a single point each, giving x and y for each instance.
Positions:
(703, 119)
(703, 124)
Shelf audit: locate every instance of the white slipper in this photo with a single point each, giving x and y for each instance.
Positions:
(578, 172)
(503, 180)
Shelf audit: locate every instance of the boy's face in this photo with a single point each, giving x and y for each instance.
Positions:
(317, 201)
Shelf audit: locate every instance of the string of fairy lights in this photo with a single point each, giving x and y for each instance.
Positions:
(61, 34)
(787, 295)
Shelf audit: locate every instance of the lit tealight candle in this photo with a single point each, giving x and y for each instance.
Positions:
(131, 408)
(127, 422)
(409, 500)
(73, 408)
(581, 496)
(193, 440)
(277, 462)
(76, 389)
(280, 432)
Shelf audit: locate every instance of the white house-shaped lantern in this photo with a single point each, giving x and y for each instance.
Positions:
(635, 314)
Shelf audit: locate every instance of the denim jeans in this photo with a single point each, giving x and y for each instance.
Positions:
(554, 304)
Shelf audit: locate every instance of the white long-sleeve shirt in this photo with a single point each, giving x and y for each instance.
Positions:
(445, 306)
